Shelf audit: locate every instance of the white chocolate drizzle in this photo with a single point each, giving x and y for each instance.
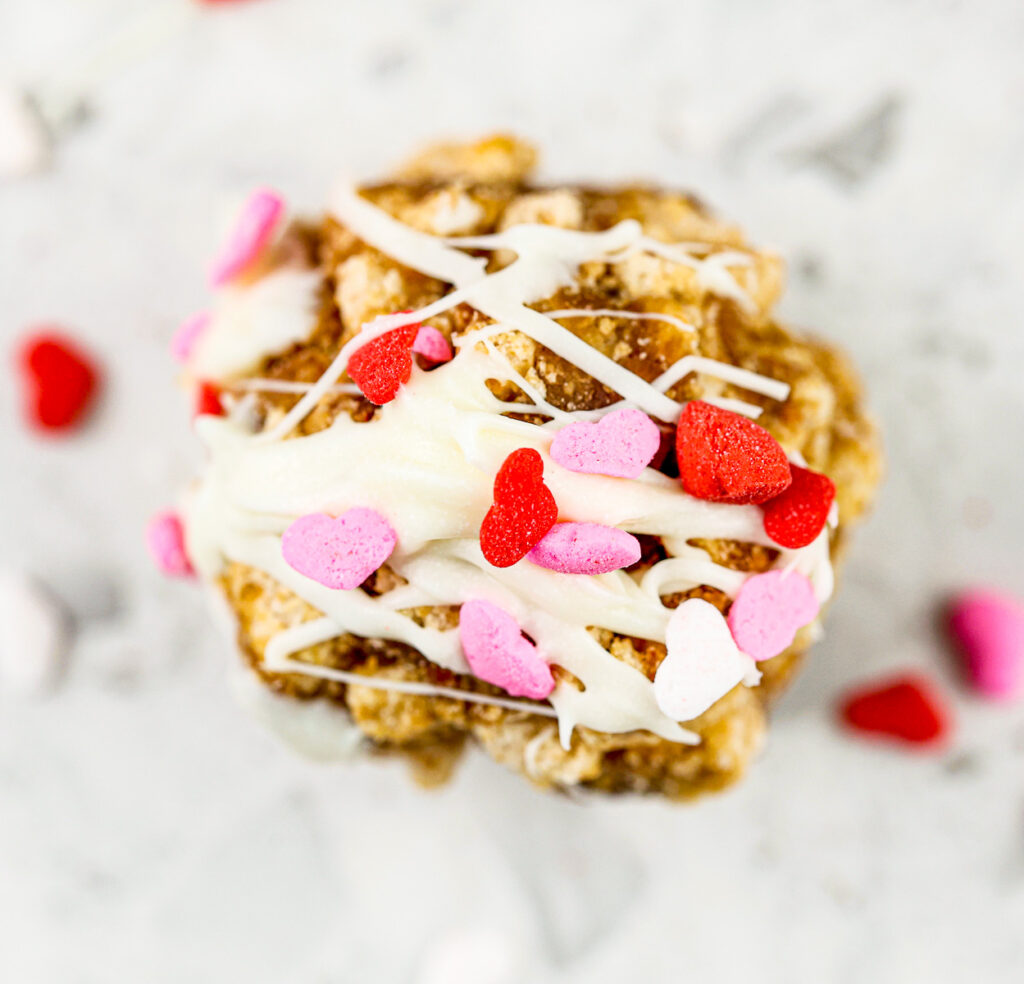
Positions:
(278, 650)
(722, 370)
(248, 322)
(712, 270)
(427, 462)
(258, 385)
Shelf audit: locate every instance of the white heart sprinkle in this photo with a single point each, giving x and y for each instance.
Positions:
(703, 663)
(33, 637)
(24, 142)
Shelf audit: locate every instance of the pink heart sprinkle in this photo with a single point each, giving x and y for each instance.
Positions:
(585, 548)
(340, 552)
(769, 609)
(188, 334)
(702, 663)
(253, 230)
(432, 345)
(989, 628)
(165, 538)
(622, 444)
(498, 653)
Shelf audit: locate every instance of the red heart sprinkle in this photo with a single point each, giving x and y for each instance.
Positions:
(62, 381)
(724, 457)
(907, 708)
(382, 366)
(796, 517)
(208, 400)
(524, 509)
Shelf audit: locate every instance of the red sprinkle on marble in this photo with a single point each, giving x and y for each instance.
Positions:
(794, 518)
(524, 509)
(61, 381)
(382, 366)
(724, 457)
(906, 708)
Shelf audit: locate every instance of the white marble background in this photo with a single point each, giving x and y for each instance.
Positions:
(149, 832)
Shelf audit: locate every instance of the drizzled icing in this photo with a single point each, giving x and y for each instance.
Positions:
(247, 323)
(427, 462)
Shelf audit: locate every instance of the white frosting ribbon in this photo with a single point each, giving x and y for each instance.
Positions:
(427, 462)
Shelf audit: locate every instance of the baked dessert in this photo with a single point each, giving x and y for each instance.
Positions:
(529, 467)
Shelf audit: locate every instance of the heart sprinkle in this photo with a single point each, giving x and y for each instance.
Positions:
(342, 552)
(988, 628)
(524, 509)
(907, 708)
(187, 336)
(702, 662)
(165, 537)
(432, 345)
(34, 636)
(208, 400)
(384, 364)
(724, 457)
(252, 233)
(795, 517)
(621, 444)
(498, 653)
(62, 381)
(585, 548)
(25, 140)
(768, 610)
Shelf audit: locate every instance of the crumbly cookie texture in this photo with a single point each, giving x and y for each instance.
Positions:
(459, 189)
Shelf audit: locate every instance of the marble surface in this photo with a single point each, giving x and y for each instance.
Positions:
(149, 831)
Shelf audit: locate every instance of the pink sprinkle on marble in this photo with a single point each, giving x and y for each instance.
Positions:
(165, 537)
(432, 345)
(498, 653)
(585, 548)
(252, 232)
(339, 552)
(621, 444)
(989, 629)
(188, 334)
(769, 609)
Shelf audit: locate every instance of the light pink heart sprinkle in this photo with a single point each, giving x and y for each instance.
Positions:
(188, 334)
(585, 548)
(252, 232)
(769, 609)
(498, 653)
(702, 664)
(432, 345)
(165, 538)
(339, 552)
(621, 444)
(989, 628)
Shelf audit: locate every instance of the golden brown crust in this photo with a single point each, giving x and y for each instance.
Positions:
(480, 188)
